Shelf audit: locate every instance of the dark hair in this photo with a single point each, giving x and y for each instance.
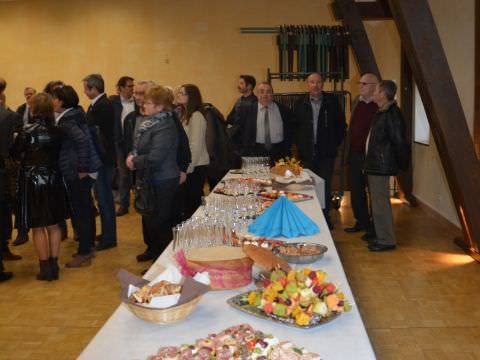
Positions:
(51, 85)
(3, 85)
(249, 80)
(42, 107)
(95, 81)
(389, 88)
(194, 103)
(67, 95)
(122, 82)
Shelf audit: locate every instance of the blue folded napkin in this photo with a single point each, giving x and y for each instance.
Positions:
(283, 218)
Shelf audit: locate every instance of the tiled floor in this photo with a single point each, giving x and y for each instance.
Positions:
(418, 302)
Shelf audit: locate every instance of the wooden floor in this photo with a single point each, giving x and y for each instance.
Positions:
(418, 302)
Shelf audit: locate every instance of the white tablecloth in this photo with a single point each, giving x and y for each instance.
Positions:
(124, 336)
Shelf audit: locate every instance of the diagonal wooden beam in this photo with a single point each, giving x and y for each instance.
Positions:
(445, 114)
(361, 46)
(476, 114)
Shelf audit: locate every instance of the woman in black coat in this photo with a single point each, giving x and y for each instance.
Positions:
(41, 198)
(154, 156)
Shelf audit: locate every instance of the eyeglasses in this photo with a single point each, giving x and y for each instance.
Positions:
(365, 83)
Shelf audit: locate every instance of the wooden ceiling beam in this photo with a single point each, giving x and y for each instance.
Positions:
(374, 10)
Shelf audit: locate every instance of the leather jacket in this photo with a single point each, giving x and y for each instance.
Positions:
(38, 146)
(388, 150)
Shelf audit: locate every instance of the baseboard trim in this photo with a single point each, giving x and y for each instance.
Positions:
(453, 228)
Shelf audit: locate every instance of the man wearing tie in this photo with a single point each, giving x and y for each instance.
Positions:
(264, 127)
(101, 116)
(123, 105)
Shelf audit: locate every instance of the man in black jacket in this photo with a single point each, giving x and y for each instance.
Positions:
(320, 128)
(24, 109)
(124, 104)
(387, 152)
(246, 85)
(101, 116)
(9, 122)
(263, 128)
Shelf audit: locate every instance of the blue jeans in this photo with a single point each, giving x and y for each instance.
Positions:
(103, 189)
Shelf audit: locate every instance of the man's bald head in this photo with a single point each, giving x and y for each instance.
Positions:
(366, 84)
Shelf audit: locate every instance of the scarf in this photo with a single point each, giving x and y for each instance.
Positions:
(146, 125)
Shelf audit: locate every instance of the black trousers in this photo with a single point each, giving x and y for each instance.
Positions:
(324, 169)
(194, 190)
(276, 152)
(358, 194)
(5, 224)
(157, 227)
(83, 216)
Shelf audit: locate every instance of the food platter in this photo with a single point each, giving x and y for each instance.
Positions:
(300, 252)
(292, 196)
(239, 302)
(300, 298)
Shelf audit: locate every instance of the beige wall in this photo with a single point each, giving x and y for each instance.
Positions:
(170, 41)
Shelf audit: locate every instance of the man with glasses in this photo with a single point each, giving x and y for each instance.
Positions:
(363, 110)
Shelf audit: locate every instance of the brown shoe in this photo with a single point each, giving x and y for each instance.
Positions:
(91, 255)
(79, 261)
(9, 256)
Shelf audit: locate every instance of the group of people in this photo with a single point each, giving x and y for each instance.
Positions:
(173, 142)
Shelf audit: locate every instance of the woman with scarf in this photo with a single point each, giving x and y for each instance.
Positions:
(154, 157)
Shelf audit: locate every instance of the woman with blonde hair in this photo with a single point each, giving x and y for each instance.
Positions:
(42, 197)
(195, 126)
(154, 157)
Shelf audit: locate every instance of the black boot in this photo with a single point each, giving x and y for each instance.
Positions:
(22, 237)
(53, 261)
(45, 271)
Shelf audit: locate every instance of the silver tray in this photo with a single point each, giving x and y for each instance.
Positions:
(238, 303)
(301, 259)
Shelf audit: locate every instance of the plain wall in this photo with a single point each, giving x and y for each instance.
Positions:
(171, 42)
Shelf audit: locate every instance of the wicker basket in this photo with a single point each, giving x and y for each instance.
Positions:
(164, 316)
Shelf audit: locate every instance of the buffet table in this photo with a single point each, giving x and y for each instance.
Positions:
(124, 336)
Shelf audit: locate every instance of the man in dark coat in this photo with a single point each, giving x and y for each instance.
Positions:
(320, 126)
(9, 123)
(101, 115)
(387, 152)
(263, 128)
(24, 109)
(124, 104)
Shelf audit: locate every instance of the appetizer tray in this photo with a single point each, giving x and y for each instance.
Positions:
(292, 196)
(240, 302)
(300, 252)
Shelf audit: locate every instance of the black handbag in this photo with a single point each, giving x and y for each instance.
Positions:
(144, 196)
